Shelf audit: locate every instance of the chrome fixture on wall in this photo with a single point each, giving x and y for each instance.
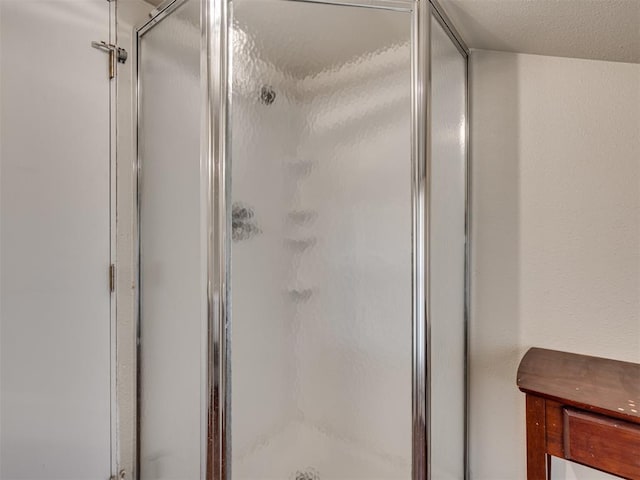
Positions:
(267, 95)
(243, 225)
(308, 474)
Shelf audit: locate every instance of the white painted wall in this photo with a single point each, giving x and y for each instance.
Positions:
(55, 315)
(129, 14)
(556, 232)
(262, 360)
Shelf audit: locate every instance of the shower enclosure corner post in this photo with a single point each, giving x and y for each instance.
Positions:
(421, 93)
(215, 68)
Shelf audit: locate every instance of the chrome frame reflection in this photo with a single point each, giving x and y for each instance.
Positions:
(156, 16)
(216, 61)
(420, 195)
(467, 276)
(216, 139)
(445, 22)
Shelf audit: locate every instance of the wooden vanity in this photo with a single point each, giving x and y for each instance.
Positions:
(580, 408)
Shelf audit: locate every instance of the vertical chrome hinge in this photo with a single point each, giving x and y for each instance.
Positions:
(116, 55)
(112, 278)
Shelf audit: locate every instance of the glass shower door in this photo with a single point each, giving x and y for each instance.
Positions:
(321, 256)
(447, 248)
(302, 243)
(172, 247)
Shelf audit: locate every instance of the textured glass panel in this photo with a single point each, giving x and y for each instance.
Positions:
(321, 257)
(447, 259)
(171, 262)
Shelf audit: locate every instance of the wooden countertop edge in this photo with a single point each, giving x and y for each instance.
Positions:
(630, 418)
(620, 379)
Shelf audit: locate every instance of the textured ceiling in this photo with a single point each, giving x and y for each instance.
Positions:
(596, 29)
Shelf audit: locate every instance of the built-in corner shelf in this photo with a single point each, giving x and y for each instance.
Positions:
(580, 408)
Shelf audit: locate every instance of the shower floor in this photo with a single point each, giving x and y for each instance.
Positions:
(302, 452)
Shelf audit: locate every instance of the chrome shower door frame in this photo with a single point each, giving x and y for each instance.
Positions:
(160, 13)
(217, 15)
(447, 25)
(216, 65)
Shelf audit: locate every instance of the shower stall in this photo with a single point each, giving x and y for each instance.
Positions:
(302, 212)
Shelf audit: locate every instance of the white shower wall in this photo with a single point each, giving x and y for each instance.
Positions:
(322, 358)
(56, 316)
(355, 331)
(262, 359)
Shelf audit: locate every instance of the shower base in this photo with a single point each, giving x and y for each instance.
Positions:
(302, 452)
